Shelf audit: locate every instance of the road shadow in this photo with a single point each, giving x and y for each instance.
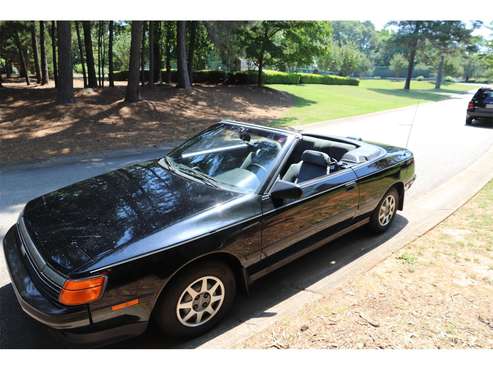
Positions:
(280, 285)
(482, 123)
(428, 95)
(17, 330)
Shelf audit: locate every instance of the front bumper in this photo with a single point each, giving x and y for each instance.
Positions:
(73, 323)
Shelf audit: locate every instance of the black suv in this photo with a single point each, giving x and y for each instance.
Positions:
(481, 105)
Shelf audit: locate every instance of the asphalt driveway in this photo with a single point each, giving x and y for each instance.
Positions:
(443, 147)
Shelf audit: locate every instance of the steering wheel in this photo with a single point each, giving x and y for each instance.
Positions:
(260, 167)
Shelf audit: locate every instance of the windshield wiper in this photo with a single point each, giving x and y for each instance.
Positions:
(168, 163)
(199, 175)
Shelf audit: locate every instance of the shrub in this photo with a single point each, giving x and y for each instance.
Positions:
(274, 77)
(250, 77)
(420, 78)
(242, 78)
(310, 78)
(209, 77)
(398, 64)
(120, 75)
(450, 79)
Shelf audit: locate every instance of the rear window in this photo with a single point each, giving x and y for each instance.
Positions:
(485, 94)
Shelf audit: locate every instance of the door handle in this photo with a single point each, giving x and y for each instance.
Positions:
(350, 185)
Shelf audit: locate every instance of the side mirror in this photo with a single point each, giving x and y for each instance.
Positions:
(285, 190)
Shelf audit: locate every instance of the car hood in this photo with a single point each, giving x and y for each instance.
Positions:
(80, 223)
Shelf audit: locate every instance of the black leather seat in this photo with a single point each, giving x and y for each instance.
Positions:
(313, 164)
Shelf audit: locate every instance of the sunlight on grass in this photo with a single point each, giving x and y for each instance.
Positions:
(313, 103)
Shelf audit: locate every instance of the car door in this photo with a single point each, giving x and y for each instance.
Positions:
(326, 202)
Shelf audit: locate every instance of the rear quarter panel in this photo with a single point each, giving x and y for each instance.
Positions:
(377, 177)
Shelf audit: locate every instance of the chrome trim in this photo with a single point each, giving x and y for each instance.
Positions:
(260, 127)
(280, 165)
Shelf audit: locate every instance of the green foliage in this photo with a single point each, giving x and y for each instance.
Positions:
(420, 78)
(361, 34)
(250, 77)
(398, 65)
(284, 44)
(453, 66)
(274, 77)
(121, 45)
(210, 77)
(408, 258)
(345, 60)
(308, 78)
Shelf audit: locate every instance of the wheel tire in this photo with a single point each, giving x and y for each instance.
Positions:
(383, 216)
(166, 312)
(469, 120)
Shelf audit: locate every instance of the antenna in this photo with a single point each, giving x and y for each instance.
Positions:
(412, 125)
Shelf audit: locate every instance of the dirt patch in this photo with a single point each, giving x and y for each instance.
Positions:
(437, 292)
(33, 127)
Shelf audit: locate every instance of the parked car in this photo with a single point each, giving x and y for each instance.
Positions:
(177, 237)
(481, 105)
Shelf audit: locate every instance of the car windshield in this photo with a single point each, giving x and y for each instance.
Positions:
(229, 156)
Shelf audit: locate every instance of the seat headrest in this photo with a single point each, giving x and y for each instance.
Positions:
(317, 158)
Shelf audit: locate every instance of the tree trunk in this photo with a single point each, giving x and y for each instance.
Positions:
(53, 52)
(191, 49)
(110, 56)
(260, 69)
(260, 60)
(169, 40)
(8, 68)
(34, 44)
(410, 66)
(22, 58)
(412, 55)
(142, 54)
(99, 53)
(103, 53)
(183, 77)
(91, 71)
(133, 89)
(157, 52)
(438, 82)
(81, 53)
(44, 62)
(152, 73)
(65, 89)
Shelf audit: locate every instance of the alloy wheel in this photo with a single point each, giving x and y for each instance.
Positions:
(200, 301)
(387, 210)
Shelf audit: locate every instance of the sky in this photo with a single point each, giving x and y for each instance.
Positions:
(483, 31)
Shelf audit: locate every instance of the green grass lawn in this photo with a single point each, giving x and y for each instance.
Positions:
(313, 103)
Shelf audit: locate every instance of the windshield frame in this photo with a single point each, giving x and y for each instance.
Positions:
(168, 162)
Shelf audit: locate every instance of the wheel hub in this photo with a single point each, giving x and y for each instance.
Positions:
(201, 302)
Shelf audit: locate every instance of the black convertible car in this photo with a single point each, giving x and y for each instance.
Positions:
(174, 239)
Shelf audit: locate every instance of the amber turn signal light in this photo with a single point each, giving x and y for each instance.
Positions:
(77, 292)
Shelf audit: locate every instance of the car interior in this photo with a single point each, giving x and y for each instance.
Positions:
(246, 161)
(314, 157)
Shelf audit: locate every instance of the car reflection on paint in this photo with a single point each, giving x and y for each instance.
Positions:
(178, 237)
